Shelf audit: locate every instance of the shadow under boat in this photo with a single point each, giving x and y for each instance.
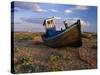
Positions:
(67, 37)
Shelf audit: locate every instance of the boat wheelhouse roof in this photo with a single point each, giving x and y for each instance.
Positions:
(48, 20)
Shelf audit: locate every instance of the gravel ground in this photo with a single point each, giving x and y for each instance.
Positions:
(32, 55)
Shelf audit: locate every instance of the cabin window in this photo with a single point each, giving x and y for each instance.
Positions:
(48, 22)
(51, 21)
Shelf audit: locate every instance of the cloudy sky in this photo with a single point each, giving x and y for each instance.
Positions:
(29, 16)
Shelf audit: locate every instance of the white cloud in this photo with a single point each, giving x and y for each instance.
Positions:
(37, 8)
(29, 6)
(54, 10)
(58, 18)
(77, 7)
(68, 11)
(84, 23)
(80, 7)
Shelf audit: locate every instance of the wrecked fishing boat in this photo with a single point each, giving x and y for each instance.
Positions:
(70, 36)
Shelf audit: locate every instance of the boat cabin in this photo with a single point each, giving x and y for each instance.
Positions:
(49, 23)
(49, 26)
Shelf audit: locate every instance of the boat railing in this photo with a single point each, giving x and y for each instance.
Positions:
(78, 22)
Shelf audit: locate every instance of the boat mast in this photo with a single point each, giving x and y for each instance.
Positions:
(66, 24)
